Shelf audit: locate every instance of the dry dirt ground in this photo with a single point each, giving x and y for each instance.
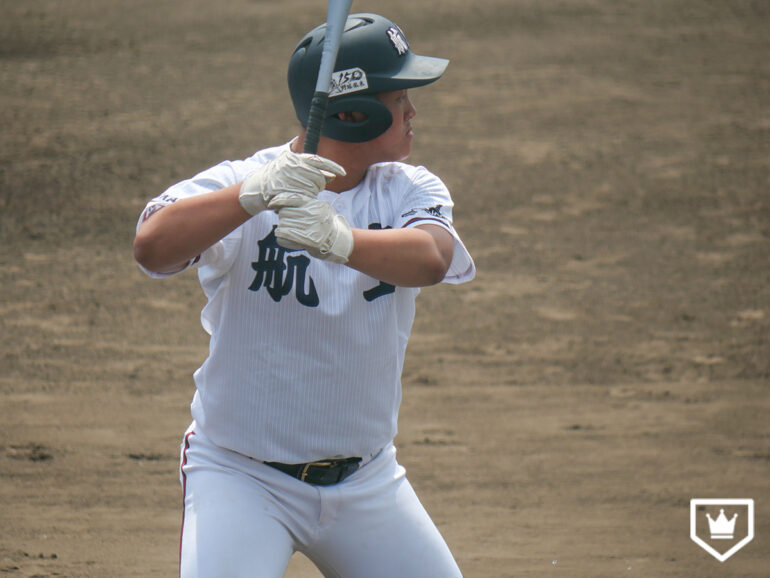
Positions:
(609, 161)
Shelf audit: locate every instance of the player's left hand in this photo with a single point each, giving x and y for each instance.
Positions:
(313, 225)
(290, 172)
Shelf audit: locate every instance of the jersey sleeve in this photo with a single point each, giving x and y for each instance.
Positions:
(215, 260)
(428, 202)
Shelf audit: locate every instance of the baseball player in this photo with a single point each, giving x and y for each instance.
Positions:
(311, 265)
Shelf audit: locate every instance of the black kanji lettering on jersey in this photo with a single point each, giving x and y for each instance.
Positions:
(278, 272)
(383, 288)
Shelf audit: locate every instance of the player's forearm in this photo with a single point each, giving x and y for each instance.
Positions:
(180, 232)
(412, 257)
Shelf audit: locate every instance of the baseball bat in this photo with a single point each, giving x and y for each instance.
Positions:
(336, 15)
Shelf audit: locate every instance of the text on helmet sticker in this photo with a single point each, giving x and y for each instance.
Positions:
(345, 81)
(398, 40)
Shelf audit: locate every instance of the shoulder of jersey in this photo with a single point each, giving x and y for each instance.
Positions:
(394, 170)
(268, 154)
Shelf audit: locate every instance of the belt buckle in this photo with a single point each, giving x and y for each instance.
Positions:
(320, 464)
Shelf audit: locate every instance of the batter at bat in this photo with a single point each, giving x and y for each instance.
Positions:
(311, 265)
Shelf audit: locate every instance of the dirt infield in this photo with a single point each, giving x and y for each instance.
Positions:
(609, 163)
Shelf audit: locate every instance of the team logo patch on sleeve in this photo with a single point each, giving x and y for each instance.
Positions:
(150, 211)
(163, 201)
(427, 211)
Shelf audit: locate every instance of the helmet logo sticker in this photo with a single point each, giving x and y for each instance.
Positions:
(398, 40)
(350, 80)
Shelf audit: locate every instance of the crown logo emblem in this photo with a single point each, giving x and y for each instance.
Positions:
(721, 536)
(722, 528)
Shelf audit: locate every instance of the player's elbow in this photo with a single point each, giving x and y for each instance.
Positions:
(146, 253)
(437, 255)
(143, 252)
(435, 270)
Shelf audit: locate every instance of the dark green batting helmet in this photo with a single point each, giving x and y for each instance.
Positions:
(373, 57)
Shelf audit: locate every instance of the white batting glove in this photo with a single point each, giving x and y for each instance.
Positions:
(291, 172)
(313, 225)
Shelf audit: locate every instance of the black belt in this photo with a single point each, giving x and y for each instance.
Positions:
(320, 473)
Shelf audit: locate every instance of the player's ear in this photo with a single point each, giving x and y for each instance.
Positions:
(352, 116)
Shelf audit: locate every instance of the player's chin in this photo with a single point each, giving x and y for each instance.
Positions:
(397, 150)
(404, 154)
(396, 154)
(406, 146)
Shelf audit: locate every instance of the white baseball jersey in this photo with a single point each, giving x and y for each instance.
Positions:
(306, 355)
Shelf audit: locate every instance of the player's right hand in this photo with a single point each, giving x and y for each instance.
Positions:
(313, 225)
(291, 172)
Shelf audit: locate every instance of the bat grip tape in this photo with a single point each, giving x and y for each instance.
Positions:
(315, 121)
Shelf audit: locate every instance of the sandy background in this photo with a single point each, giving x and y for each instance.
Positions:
(609, 163)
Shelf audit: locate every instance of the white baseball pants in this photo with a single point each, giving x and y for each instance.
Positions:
(243, 518)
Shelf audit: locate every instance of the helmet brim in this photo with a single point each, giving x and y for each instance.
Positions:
(418, 71)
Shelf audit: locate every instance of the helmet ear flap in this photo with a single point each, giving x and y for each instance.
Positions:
(378, 118)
